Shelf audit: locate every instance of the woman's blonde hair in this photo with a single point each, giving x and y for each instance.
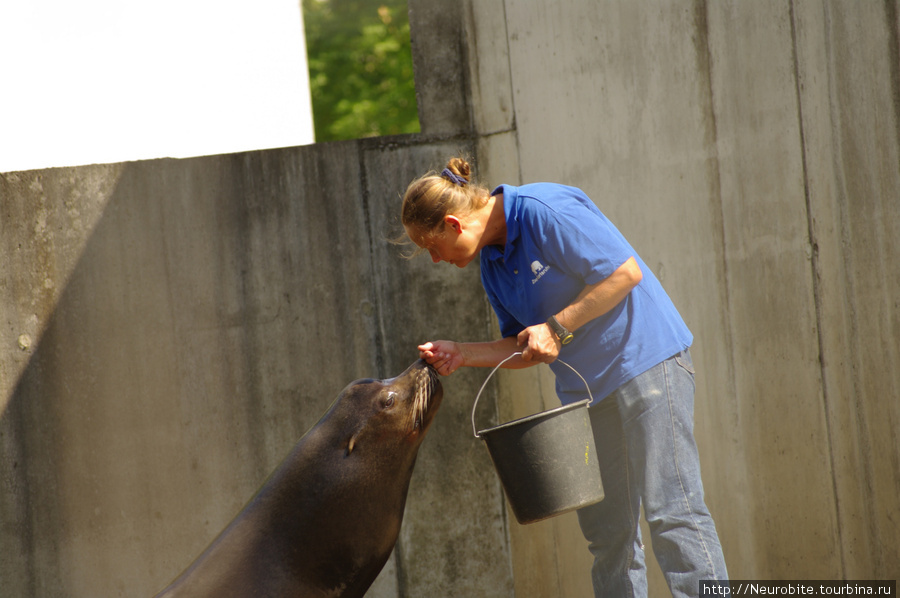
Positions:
(429, 198)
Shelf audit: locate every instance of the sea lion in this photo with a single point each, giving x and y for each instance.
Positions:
(327, 519)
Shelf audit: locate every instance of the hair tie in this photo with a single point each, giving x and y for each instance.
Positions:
(453, 178)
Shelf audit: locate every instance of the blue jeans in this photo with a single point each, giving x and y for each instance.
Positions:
(644, 432)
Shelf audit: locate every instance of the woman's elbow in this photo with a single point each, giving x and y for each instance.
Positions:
(633, 270)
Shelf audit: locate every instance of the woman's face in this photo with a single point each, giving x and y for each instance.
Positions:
(454, 243)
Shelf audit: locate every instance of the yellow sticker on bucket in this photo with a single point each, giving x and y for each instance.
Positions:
(587, 447)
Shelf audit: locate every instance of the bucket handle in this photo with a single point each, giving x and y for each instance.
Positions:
(478, 396)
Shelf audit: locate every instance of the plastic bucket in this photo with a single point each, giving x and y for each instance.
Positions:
(546, 462)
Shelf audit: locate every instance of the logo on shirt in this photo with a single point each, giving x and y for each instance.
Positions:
(538, 270)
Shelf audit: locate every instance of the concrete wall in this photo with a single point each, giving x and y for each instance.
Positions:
(170, 328)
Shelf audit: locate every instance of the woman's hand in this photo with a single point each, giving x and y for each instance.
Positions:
(444, 356)
(539, 343)
(448, 356)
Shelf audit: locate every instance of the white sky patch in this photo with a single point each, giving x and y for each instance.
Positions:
(99, 81)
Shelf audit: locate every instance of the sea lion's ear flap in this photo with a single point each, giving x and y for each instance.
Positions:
(350, 445)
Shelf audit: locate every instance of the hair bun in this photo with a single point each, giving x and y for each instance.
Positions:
(459, 167)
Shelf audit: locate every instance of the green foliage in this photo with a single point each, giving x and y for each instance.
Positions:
(360, 68)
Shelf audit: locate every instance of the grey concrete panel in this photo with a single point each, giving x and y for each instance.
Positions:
(770, 296)
(455, 510)
(850, 124)
(439, 52)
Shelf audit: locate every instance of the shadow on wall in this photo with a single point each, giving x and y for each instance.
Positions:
(183, 358)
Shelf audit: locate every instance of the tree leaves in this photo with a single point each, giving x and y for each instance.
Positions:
(360, 67)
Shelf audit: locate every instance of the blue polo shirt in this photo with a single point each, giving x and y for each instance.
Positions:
(558, 242)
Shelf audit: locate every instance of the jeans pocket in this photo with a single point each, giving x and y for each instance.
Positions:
(684, 360)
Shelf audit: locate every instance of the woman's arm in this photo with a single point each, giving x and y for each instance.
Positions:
(538, 343)
(542, 345)
(448, 356)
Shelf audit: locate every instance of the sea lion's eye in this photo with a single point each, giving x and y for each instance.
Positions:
(389, 401)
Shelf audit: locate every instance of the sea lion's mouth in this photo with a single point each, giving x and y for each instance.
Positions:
(427, 381)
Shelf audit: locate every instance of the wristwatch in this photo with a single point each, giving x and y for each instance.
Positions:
(564, 335)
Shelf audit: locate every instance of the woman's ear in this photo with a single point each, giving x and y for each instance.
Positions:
(453, 222)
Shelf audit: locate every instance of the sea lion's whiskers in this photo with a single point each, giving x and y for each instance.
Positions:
(424, 387)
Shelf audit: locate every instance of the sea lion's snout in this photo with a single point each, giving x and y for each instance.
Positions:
(421, 364)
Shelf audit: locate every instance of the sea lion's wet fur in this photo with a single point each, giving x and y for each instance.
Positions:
(326, 520)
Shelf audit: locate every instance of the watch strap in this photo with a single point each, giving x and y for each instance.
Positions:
(564, 335)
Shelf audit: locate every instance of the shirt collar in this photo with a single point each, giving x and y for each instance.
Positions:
(510, 198)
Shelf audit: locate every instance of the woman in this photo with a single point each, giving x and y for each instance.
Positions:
(565, 283)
